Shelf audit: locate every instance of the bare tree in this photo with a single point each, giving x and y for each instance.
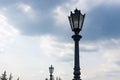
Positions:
(4, 76)
(10, 78)
(18, 78)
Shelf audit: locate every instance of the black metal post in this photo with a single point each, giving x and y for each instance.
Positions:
(76, 72)
(51, 76)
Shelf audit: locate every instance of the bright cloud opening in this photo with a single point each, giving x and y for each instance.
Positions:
(7, 32)
(53, 46)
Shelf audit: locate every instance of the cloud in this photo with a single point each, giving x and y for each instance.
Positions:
(54, 47)
(24, 7)
(62, 11)
(107, 56)
(88, 47)
(112, 50)
(98, 57)
(29, 18)
(27, 10)
(60, 15)
(100, 18)
(7, 32)
(86, 5)
(118, 62)
(23, 17)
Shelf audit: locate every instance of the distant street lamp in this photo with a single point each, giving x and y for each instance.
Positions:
(51, 69)
(76, 20)
(46, 79)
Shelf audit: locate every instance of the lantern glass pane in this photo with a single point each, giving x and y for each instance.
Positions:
(75, 20)
(51, 69)
(75, 24)
(81, 21)
(71, 22)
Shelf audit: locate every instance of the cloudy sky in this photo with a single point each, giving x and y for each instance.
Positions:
(36, 33)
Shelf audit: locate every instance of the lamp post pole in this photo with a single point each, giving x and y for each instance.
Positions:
(51, 76)
(76, 72)
(51, 71)
(76, 20)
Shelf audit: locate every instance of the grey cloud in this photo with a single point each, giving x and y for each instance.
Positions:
(102, 22)
(66, 58)
(118, 63)
(88, 50)
(113, 73)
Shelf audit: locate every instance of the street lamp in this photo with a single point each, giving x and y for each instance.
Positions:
(76, 20)
(51, 69)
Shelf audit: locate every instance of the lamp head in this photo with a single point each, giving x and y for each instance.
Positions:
(76, 20)
(51, 69)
